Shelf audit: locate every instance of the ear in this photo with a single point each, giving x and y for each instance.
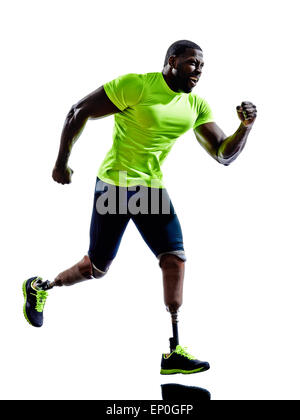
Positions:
(172, 61)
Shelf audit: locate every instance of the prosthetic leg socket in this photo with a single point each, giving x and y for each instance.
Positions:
(81, 271)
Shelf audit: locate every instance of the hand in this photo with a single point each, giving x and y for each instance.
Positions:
(62, 175)
(247, 113)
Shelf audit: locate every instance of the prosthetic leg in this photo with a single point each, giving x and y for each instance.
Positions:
(173, 275)
(178, 360)
(83, 270)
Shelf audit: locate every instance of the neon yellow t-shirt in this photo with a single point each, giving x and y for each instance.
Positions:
(152, 118)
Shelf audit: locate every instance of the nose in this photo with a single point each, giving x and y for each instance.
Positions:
(198, 71)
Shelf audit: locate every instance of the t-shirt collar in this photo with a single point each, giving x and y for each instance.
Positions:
(167, 88)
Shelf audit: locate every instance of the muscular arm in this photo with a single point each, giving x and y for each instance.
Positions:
(95, 105)
(226, 149)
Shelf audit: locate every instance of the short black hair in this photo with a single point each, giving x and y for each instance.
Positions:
(179, 47)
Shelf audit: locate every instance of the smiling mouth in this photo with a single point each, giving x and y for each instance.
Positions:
(193, 80)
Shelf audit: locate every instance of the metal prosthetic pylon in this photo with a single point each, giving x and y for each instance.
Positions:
(174, 341)
(44, 285)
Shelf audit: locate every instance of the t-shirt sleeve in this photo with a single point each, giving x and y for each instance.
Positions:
(125, 91)
(205, 114)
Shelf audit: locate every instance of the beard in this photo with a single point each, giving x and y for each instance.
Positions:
(183, 82)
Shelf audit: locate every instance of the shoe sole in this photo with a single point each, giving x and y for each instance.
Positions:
(25, 298)
(184, 372)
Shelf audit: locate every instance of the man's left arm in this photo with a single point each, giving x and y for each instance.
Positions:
(226, 149)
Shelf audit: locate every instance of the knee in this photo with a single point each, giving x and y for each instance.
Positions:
(100, 270)
(171, 262)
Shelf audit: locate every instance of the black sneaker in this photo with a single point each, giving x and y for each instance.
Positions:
(35, 299)
(179, 361)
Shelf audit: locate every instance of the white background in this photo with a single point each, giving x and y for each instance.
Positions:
(103, 339)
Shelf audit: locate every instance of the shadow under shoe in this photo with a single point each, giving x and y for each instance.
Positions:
(179, 361)
(178, 392)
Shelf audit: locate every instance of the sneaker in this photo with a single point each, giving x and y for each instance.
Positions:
(179, 361)
(35, 299)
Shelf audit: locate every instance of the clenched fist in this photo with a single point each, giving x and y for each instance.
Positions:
(247, 113)
(62, 175)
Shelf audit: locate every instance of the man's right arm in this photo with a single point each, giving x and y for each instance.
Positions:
(95, 105)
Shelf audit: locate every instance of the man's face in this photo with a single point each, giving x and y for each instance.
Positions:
(187, 69)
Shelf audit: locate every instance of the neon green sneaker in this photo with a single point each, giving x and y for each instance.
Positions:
(35, 300)
(180, 361)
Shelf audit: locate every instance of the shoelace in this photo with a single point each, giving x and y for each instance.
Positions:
(41, 296)
(183, 352)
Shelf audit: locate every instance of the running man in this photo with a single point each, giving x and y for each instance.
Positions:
(150, 111)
